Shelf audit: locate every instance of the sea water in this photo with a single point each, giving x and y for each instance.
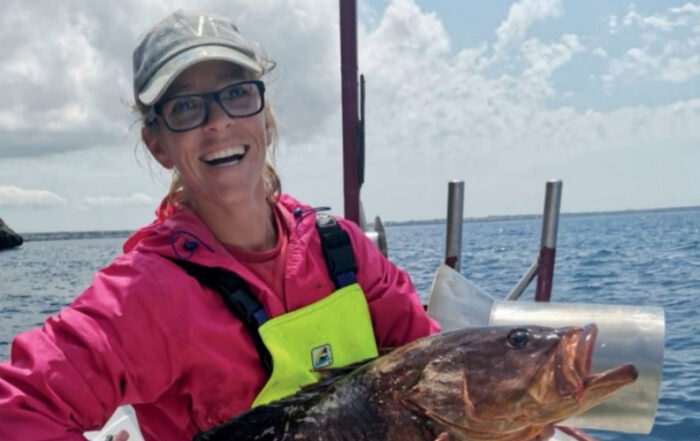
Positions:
(650, 258)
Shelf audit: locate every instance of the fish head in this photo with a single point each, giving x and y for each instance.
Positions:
(504, 381)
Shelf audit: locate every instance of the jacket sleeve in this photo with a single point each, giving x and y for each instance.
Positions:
(109, 347)
(397, 313)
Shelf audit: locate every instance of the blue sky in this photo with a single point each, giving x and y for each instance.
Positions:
(504, 95)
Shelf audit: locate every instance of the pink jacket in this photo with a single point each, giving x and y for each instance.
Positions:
(147, 334)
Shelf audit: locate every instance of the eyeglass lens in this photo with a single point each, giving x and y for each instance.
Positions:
(189, 111)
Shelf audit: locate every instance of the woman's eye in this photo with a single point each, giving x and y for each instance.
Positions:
(518, 338)
(183, 105)
(233, 93)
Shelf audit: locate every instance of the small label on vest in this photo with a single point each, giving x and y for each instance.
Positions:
(321, 357)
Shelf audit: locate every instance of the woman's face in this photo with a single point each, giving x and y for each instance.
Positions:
(220, 162)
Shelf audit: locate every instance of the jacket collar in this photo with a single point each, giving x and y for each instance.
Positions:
(177, 232)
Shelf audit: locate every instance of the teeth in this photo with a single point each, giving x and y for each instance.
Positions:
(225, 153)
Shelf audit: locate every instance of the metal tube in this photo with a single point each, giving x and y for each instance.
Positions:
(550, 223)
(633, 334)
(455, 215)
(348, 75)
(524, 281)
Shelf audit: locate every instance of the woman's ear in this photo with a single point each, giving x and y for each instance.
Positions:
(269, 129)
(156, 148)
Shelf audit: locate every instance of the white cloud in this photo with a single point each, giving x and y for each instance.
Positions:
(53, 79)
(612, 24)
(674, 17)
(112, 201)
(664, 66)
(12, 196)
(681, 70)
(544, 59)
(668, 49)
(600, 52)
(521, 15)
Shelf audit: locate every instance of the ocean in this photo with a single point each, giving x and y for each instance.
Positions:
(643, 257)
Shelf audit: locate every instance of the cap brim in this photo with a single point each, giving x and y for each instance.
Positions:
(161, 80)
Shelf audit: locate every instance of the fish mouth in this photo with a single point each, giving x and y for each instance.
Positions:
(573, 367)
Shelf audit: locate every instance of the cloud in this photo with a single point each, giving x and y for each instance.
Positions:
(521, 15)
(664, 66)
(600, 52)
(115, 201)
(435, 110)
(672, 58)
(544, 59)
(437, 114)
(613, 26)
(61, 84)
(11, 196)
(680, 70)
(674, 17)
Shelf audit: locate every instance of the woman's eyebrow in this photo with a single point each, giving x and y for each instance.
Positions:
(178, 89)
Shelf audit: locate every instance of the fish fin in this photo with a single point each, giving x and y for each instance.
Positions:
(438, 393)
(262, 423)
(333, 373)
(271, 422)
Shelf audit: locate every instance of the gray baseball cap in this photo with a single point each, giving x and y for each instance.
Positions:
(186, 38)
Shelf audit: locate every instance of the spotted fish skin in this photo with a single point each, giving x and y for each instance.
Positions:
(478, 384)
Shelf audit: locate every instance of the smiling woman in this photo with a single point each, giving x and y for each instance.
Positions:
(223, 164)
(222, 302)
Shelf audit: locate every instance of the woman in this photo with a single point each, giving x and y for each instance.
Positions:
(156, 327)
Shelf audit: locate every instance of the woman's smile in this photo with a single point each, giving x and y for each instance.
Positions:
(227, 157)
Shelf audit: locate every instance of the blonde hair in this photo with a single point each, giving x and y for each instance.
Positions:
(271, 180)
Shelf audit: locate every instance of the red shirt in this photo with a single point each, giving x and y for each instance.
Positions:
(268, 265)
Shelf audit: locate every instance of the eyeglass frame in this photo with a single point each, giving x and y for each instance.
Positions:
(208, 97)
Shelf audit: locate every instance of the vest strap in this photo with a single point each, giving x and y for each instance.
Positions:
(238, 299)
(337, 250)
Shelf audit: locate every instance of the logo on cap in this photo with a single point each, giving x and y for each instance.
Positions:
(321, 357)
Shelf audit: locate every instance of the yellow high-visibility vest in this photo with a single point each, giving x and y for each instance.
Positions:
(333, 332)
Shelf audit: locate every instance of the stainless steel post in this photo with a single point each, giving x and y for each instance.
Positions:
(455, 216)
(524, 281)
(550, 223)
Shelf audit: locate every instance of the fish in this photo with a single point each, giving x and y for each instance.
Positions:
(496, 383)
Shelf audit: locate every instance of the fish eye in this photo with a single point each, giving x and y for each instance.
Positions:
(518, 338)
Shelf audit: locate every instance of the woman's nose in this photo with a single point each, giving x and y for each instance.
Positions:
(218, 119)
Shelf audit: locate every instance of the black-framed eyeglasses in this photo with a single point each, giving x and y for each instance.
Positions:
(186, 112)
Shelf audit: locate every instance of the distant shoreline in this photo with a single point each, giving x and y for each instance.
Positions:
(538, 216)
(106, 234)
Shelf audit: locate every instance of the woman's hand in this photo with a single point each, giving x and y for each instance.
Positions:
(122, 435)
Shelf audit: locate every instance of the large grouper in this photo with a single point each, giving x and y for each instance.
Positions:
(478, 384)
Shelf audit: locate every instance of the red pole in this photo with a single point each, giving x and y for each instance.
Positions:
(548, 247)
(545, 274)
(348, 76)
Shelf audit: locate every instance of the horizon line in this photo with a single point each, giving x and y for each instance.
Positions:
(115, 233)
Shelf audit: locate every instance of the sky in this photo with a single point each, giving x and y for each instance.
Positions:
(504, 95)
